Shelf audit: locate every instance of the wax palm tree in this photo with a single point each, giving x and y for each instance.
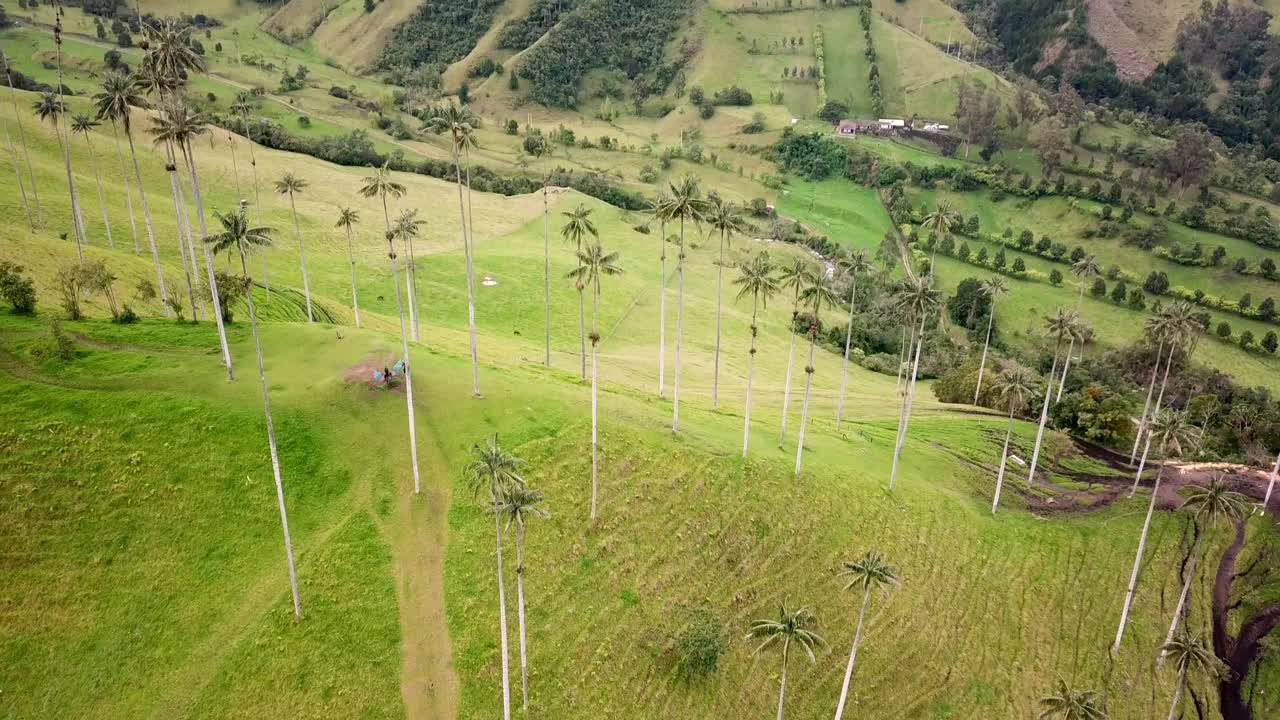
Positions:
(866, 574)
(84, 125)
(179, 124)
(22, 185)
(460, 123)
(857, 263)
(239, 237)
(791, 627)
(794, 276)
(1068, 704)
(50, 107)
(994, 288)
(1064, 324)
(22, 138)
(725, 218)
(493, 473)
(348, 219)
(292, 185)
(1271, 485)
(1182, 331)
(819, 294)
(593, 263)
(660, 205)
(917, 300)
(1173, 432)
(406, 229)
(381, 185)
(1014, 387)
(756, 279)
(242, 106)
(170, 52)
(578, 227)
(940, 223)
(685, 204)
(1085, 269)
(162, 86)
(546, 272)
(520, 503)
(124, 178)
(115, 102)
(1209, 507)
(1157, 330)
(1191, 656)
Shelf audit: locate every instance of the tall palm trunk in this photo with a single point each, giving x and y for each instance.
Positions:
(271, 436)
(902, 359)
(1004, 459)
(546, 278)
(1177, 694)
(22, 140)
(77, 220)
(853, 655)
(751, 360)
(502, 618)
(982, 366)
(524, 655)
(804, 406)
(1142, 464)
(715, 377)
(302, 258)
(404, 348)
(17, 172)
(595, 341)
(782, 688)
(97, 181)
(124, 177)
(1066, 367)
(257, 200)
(191, 251)
(208, 258)
(1137, 561)
(791, 353)
(662, 306)
(1182, 601)
(468, 239)
(844, 370)
(411, 286)
(351, 258)
(675, 418)
(908, 402)
(1271, 485)
(146, 219)
(1044, 413)
(1151, 387)
(171, 169)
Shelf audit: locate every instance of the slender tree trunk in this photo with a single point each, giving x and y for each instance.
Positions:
(22, 140)
(853, 655)
(1177, 695)
(1137, 561)
(191, 249)
(524, 664)
(271, 437)
(235, 169)
(902, 359)
(804, 405)
(302, 258)
(910, 399)
(502, 621)
(751, 360)
(844, 370)
(257, 200)
(786, 388)
(675, 418)
(1151, 387)
(546, 276)
(77, 219)
(208, 259)
(146, 219)
(782, 688)
(128, 196)
(1182, 603)
(17, 172)
(404, 348)
(1271, 485)
(1044, 414)
(97, 181)
(410, 286)
(595, 340)
(1142, 464)
(982, 366)
(171, 169)
(471, 281)
(351, 258)
(1004, 458)
(662, 307)
(715, 376)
